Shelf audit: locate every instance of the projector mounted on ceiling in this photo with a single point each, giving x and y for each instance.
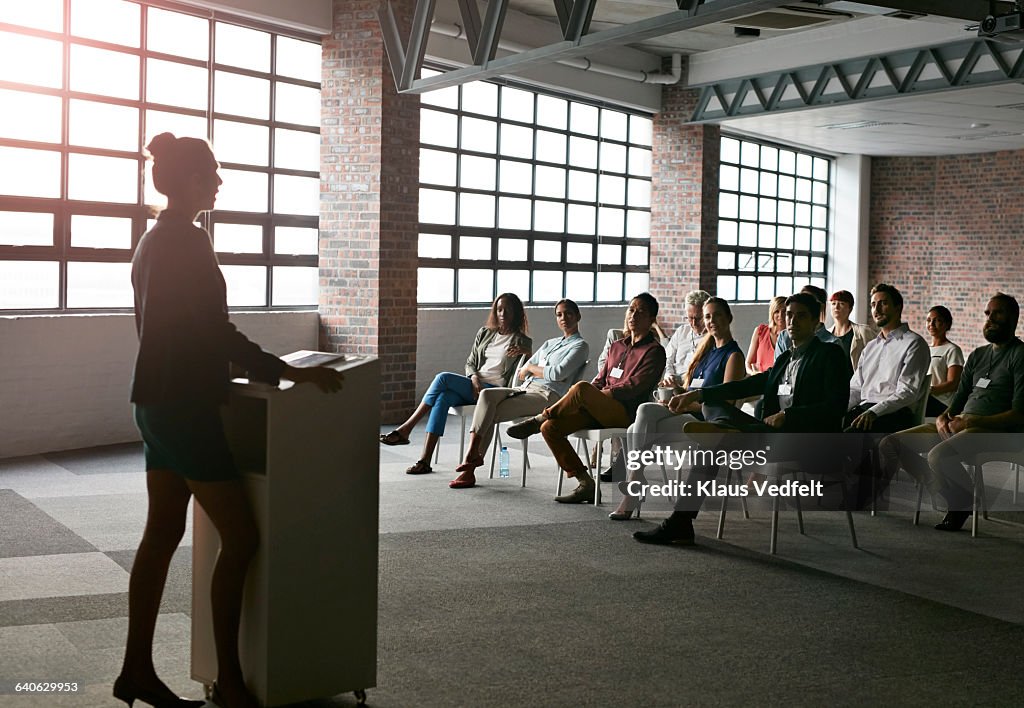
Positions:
(1003, 28)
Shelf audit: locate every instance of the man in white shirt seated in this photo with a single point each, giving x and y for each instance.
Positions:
(685, 340)
(887, 385)
(889, 380)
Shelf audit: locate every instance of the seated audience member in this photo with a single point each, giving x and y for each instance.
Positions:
(890, 374)
(629, 375)
(986, 414)
(544, 379)
(685, 340)
(491, 362)
(783, 342)
(611, 337)
(947, 361)
(887, 385)
(761, 353)
(805, 391)
(852, 337)
(718, 359)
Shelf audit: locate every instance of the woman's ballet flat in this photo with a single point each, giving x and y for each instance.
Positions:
(394, 438)
(621, 515)
(463, 481)
(125, 690)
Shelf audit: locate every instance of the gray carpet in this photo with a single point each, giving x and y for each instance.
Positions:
(126, 457)
(497, 596)
(25, 530)
(568, 614)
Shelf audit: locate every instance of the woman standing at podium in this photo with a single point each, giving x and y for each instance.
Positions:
(186, 342)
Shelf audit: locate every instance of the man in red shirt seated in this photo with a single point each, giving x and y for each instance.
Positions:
(630, 373)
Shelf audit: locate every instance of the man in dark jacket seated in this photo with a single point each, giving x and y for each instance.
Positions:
(805, 391)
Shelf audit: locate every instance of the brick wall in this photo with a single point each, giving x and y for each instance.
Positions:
(948, 231)
(369, 205)
(684, 218)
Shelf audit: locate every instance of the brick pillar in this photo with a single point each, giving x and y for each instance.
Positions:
(369, 204)
(684, 210)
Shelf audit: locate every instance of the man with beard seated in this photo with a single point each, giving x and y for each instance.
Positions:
(986, 414)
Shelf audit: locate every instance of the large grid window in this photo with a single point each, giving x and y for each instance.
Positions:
(531, 193)
(85, 84)
(773, 226)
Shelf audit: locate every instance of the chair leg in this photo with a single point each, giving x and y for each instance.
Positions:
(462, 436)
(773, 545)
(799, 516)
(526, 459)
(979, 491)
(917, 511)
(849, 515)
(1016, 481)
(871, 472)
(984, 494)
(495, 446)
(597, 474)
(725, 504)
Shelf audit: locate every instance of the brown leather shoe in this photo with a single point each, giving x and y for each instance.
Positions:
(583, 494)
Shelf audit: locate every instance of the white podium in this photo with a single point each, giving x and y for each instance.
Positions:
(310, 464)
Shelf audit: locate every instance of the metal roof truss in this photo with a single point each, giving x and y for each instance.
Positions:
(974, 62)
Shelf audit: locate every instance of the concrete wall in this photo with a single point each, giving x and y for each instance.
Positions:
(65, 380)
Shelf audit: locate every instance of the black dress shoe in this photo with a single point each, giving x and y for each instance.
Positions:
(607, 475)
(524, 429)
(954, 521)
(672, 531)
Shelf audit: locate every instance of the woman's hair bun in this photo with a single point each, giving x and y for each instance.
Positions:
(161, 145)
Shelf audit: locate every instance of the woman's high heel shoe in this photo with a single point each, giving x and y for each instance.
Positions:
(125, 690)
(621, 515)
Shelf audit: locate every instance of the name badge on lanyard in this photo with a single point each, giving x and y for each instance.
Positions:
(616, 373)
(697, 383)
(983, 382)
(785, 389)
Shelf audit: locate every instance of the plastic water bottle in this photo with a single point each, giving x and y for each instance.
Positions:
(503, 463)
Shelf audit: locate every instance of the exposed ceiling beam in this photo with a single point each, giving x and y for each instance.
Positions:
(971, 10)
(708, 13)
(970, 63)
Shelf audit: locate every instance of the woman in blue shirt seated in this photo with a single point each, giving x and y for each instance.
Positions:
(718, 359)
(491, 362)
(544, 379)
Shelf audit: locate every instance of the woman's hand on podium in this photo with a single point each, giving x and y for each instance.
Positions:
(326, 379)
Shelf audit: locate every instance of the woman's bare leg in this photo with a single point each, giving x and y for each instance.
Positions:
(406, 428)
(429, 444)
(165, 525)
(474, 458)
(228, 508)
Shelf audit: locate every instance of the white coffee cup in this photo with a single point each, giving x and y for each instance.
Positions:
(664, 393)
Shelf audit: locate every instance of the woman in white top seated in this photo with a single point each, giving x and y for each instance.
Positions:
(544, 379)
(491, 362)
(718, 359)
(947, 361)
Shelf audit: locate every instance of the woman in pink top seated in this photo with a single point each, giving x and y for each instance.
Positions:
(761, 352)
